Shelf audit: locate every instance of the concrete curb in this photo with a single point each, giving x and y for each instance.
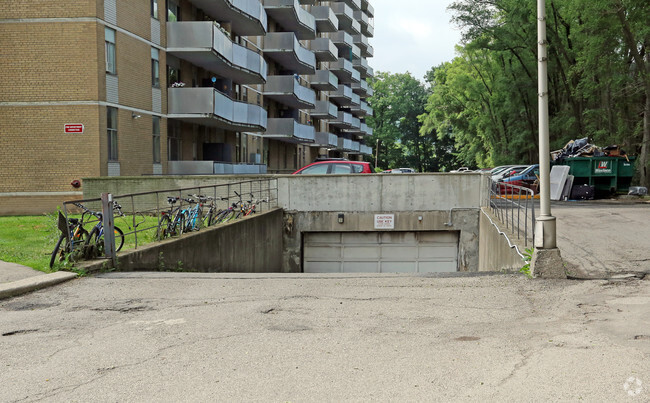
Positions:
(24, 286)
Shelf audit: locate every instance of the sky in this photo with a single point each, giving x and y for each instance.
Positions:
(412, 35)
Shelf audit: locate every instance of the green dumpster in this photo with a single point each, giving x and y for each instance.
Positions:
(609, 175)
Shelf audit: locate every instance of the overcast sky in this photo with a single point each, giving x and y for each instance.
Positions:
(412, 35)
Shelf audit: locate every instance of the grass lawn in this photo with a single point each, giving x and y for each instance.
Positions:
(29, 240)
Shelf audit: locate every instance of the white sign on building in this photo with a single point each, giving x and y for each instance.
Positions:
(384, 221)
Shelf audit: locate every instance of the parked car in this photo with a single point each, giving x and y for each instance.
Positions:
(399, 171)
(335, 167)
(509, 170)
(526, 178)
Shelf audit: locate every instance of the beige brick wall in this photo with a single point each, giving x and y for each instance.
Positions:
(49, 61)
(38, 156)
(49, 8)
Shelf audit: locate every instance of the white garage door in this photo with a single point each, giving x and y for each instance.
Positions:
(380, 252)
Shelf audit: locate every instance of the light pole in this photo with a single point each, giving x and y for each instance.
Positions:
(547, 261)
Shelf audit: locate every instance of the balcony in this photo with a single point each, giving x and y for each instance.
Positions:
(353, 4)
(345, 144)
(205, 45)
(370, 52)
(360, 110)
(367, 131)
(209, 107)
(344, 96)
(360, 88)
(323, 80)
(345, 44)
(289, 130)
(362, 66)
(324, 110)
(370, 73)
(345, 71)
(345, 15)
(365, 150)
(324, 50)
(284, 48)
(368, 8)
(290, 16)
(343, 120)
(362, 42)
(327, 140)
(287, 91)
(248, 17)
(326, 20)
(354, 147)
(369, 30)
(370, 92)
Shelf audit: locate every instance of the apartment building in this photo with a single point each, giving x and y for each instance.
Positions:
(171, 87)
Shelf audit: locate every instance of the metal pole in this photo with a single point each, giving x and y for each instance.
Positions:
(109, 231)
(545, 234)
(377, 153)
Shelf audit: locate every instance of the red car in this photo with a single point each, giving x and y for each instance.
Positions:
(335, 167)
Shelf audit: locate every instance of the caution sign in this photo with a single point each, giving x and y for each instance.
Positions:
(384, 221)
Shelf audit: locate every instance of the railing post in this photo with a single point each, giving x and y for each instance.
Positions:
(109, 227)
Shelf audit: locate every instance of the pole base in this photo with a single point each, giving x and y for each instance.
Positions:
(547, 263)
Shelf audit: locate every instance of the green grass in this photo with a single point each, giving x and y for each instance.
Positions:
(29, 240)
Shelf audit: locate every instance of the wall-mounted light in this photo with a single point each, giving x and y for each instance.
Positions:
(135, 115)
(341, 218)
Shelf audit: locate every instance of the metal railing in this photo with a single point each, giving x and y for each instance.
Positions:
(514, 207)
(140, 214)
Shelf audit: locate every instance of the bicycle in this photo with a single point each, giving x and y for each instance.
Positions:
(95, 242)
(74, 238)
(174, 221)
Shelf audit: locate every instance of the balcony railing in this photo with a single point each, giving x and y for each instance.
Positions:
(324, 49)
(328, 140)
(292, 17)
(362, 66)
(344, 120)
(347, 22)
(288, 91)
(360, 88)
(345, 144)
(324, 110)
(212, 108)
(284, 48)
(204, 44)
(368, 8)
(365, 150)
(323, 80)
(247, 17)
(289, 130)
(345, 71)
(326, 20)
(344, 96)
(353, 4)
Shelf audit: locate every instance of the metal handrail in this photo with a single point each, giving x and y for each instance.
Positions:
(505, 199)
(136, 206)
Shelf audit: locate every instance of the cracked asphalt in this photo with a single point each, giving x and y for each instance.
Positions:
(294, 338)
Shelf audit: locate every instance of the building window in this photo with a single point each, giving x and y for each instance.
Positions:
(174, 77)
(173, 11)
(111, 131)
(173, 141)
(109, 35)
(154, 9)
(156, 140)
(155, 68)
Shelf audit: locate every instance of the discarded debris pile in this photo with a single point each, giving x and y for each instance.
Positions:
(582, 148)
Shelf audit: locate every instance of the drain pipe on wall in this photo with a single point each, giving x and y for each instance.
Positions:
(450, 223)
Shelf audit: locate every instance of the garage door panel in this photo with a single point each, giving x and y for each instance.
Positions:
(322, 252)
(398, 267)
(356, 238)
(437, 267)
(364, 252)
(396, 252)
(360, 267)
(325, 237)
(387, 252)
(322, 267)
(427, 251)
(399, 238)
(438, 237)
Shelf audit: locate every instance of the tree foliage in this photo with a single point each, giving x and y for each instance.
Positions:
(397, 102)
(599, 79)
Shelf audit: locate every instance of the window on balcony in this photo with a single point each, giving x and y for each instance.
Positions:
(173, 11)
(154, 9)
(109, 37)
(174, 142)
(174, 77)
(156, 140)
(111, 131)
(155, 68)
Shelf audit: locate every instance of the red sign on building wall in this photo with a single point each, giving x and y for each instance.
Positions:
(73, 128)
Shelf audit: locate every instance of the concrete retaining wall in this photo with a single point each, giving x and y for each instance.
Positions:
(250, 245)
(495, 252)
